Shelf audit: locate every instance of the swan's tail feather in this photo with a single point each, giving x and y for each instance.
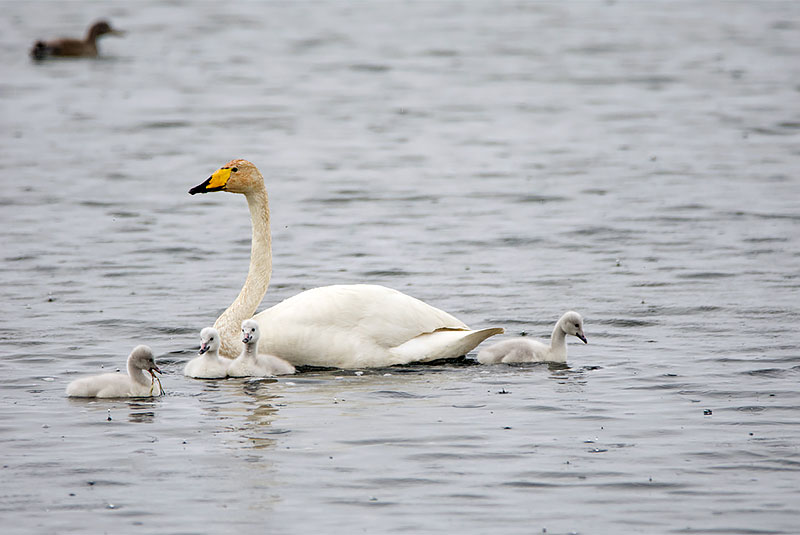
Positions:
(442, 344)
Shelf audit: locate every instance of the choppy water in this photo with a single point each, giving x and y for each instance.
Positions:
(505, 161)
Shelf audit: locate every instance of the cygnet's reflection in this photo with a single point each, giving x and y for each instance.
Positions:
(141, 412)
(249, 406)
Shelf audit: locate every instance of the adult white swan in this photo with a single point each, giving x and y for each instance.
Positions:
(343, 326)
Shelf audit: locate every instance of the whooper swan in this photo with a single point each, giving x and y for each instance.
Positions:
(341, 326)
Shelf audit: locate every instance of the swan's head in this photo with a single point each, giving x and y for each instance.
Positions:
(572, 323)
(209, 340)
(142, 358)
(250, 332)
(236, 176)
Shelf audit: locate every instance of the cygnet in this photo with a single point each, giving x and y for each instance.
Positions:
(526, 350)
(250, 364)
(136, 384)
(209, 365)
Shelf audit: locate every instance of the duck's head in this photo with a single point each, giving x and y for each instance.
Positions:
(209, 340)
(236, 176)
(572, 323)
(102, 27)
(142, 358)
(250, 332)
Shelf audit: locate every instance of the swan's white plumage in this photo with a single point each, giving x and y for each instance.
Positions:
(251, 363)
(134, 384)
(362, 326)
(516, 350)
(346, 326)
(209, 365)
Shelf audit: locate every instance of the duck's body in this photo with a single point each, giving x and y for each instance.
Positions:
(346, 326)
(251, 363)
(518, 350)
(209, 365)
(136, 384)
(74, 48)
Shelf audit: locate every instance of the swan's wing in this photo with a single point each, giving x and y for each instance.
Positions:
(350, 326)
(513, 350)
(276, 365)
(491, 355)
(81, 388)
(238, 368)
(525, 350)
(107, 385)
(387, 316)
(202, 368)
(191, 368)
(443, 344)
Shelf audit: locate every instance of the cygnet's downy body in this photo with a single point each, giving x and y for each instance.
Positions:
(209, 365)
(527, 350)
(250, 364)
(136, 384)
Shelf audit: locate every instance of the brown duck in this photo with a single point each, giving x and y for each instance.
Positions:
(67, 47)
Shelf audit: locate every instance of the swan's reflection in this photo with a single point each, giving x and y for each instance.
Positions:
(141, 412)
(570, 379)
(251, 403)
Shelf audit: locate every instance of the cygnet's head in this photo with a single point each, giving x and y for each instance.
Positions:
(572, 323)
(236, 176)
(209, 340)
(250, 332)
(142, 358)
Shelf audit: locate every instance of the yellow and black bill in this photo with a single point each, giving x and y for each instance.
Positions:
(215, 182)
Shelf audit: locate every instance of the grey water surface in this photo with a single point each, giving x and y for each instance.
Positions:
(505, 161)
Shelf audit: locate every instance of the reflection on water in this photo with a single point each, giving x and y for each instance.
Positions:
(261, 412)
(141, 412)
(247, 406)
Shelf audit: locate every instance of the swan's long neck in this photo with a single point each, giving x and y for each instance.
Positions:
(558, 340)
(251, 350)
(137, 374)
(255, 286)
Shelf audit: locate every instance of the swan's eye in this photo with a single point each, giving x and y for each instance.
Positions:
(234, 169)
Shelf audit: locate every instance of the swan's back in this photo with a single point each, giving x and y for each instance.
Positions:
(348, 326)
(390, 316)
(246, 368)
(204, 367)
(514, 350)
(276, 365)
(110, 385)
(261, 366)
